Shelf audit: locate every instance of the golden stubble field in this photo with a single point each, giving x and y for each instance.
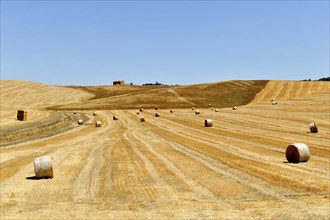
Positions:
(169, 167)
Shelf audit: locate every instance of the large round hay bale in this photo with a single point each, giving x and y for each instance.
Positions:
(210, 105)
(141, 109)
(193, 108)
(98, 124)
(197, 112)
(274, 102)
(157, 114)
(313, 128)
(171, 111)
(297, 152)
(80, 122)
(235, 108)
(142, 119)
(115, 117)
(208, 122)
(156, 108)
(94, 113)
(74, 112)
(216, 110)
(43, 167)
(137, 112)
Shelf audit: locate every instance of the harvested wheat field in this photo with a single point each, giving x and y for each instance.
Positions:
(168, 167)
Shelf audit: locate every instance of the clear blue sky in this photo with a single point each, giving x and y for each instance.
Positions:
(172, 42)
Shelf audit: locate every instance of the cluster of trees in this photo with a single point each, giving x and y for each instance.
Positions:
(322, 79)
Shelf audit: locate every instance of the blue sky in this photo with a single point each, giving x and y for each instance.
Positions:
(172, 42)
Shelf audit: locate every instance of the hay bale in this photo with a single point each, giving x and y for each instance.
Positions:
(208, 122)
(157, 114)
(274, 102)
(197, 112)
(216, 110)
(98, 124)
(193, 108)
(74, 112)
(137, 112)
(115, 117)
(212, 109)
(141, 109)
(210, 105)
(94, 113)
(21, 115)
(313, 128)
(142, 119)
(171, 111)
(156, 108)
(235, 108)
(297, 152)
(43, 167)
(80, 122)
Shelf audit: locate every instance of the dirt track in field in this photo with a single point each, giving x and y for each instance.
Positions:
(172, 167)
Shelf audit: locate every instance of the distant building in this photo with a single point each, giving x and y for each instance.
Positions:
(119, 82)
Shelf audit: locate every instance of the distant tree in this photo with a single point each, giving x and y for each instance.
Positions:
(325, 79)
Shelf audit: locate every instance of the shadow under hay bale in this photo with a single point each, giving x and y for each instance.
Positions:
(208, 123)
(297, 152)
(43, 167)
(313, 128)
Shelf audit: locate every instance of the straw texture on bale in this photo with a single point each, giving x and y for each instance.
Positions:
(208, 123)
(313, 128)
(157, 114)
(197, 112)
(21, 115)
(297, 152)
(80, 122)
(43, 167)
(235, 108)
(98, 124)
(115, 117)
(142, 119)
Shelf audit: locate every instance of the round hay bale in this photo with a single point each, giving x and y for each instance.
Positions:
(43, 167)
(115, 117)
(156, 108)
(80, 122)
(74, 112)
(94, 113)
(193, 108)
(157, 114)
(197, 112)
(235, 108)
(141, 109)
(274, 103)
(313, 128)
(208, 122)
(210, 105)
(216, 110)
(137, 112)
(98, 124)
(171, 111)
(297, 152)
(142, 119)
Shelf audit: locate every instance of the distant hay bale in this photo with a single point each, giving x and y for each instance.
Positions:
(208, 122)
(274, 102)
(80, 122)
(235, 108)
(193, 108)
(137, 112)
(197, 112)
(115, 117)
(313, 128)
(98, 124)
(212, 109)
(297, 152)
(94, 113)
(141, 109)
(210, 105)
(156, 108)
(142, 119)
(21, 115)
(157, 114)
(216, 110)
(74, 112)
(43, 167)
(171, 111)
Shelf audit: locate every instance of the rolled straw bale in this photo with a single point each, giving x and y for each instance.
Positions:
(274, 103)
(171, 111)
(43, 167)
(137, 112)
(216, 110)
(193, 108)
(98, 124)
(21, 115)
(235, 108)
(197, 112)
(313, 128)
(115, 117)
(142, 119)
(210, 105)
(212, 109)
(156, 108)
(141, 109)
(74, 112)
(80, 122)
(157, 114)
(94, 113)
(208, 122)
(297, 152)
